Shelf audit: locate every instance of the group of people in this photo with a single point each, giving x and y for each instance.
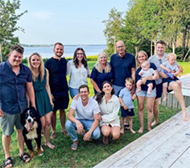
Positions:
(46, 89)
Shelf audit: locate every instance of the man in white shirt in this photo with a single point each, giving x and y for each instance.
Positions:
(85, 109)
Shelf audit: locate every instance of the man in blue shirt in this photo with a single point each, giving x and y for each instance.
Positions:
(15, 80)
(123, 65)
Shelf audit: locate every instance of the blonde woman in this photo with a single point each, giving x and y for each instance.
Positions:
(101, 72)
(44, 104)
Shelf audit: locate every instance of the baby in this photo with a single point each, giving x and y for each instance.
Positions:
(171, 70)
(145, 72)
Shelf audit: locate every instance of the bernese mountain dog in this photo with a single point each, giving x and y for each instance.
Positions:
(30, 119)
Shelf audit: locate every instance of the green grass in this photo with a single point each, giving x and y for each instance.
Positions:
(89, 153)
(185, 66)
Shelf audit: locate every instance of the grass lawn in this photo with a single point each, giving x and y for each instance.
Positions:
(89, 153)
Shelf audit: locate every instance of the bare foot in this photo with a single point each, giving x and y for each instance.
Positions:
(140, 130)
(122, 131)
(149, 129)
(164, 99)
(154, 123)
(132, 131)
(42, 149)
(49, 145)
(185, 116)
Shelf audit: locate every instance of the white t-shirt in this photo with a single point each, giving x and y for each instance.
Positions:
(85, 112)
(149, 72)
(78, 76)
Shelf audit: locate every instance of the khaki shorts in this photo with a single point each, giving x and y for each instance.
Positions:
(8, 122)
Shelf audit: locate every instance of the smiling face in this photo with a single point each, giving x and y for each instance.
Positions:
(107, 88)
(83, 93)
(15, 58)
(35, 61)
(103, 58)
(128, 85)
(58, 51)
(120, 47)
(80, 55)
(141, 57)
(160, 49)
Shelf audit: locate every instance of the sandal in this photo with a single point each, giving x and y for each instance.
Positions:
(53, 135)
(105, 140)
(74, 146)
(64, 132)
(24, 157)
(7, 162)
(127, 126)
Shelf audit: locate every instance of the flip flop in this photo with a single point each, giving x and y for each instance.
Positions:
(74, 146)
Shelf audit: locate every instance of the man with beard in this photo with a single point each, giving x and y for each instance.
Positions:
(57, 67)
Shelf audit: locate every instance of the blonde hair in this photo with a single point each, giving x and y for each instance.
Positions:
(98, 65)
(137, 62)
(41, 67)
(171, 55)
(130, 80)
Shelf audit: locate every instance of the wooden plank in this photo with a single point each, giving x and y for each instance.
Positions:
(183, 160)
(140, 148)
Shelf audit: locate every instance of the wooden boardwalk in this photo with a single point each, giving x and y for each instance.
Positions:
(167, 145)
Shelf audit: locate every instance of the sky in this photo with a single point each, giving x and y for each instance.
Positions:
(66, 21)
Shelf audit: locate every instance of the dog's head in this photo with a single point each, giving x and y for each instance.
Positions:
(28, 117)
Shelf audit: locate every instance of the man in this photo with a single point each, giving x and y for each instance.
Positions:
(123, 65)
(87, 110)
(57, 67)
(159, 58)
(15, 80)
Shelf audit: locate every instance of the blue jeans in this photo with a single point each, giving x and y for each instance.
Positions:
(71, 129)
(73, 92)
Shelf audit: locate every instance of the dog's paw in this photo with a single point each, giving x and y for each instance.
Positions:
(32, 154)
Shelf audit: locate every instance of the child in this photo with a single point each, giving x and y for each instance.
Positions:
(170, 66)
(145, 72)
(126, 100)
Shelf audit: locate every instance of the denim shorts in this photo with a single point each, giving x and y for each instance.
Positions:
(143, 93)
(8, 122)
(73, 92)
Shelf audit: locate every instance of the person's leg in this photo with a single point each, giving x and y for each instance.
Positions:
(53, 124)
(122, 125)
(106, 130)
(141, 101)
(165, 85)
(20, 139)
(150, 85)
(179, 96)
(62, 119)
(115, 132)
(179, 83)
(47, 130)
(150, 105)
(131, 124)
(42, 119)
(71, 128)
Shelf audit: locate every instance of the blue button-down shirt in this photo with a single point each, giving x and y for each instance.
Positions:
(13, 88)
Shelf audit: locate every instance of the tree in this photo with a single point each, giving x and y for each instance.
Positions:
(8, 21)
(113, 25)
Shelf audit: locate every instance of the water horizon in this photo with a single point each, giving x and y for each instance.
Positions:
(46, 51)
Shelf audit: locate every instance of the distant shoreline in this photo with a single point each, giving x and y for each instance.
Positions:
(49, 45)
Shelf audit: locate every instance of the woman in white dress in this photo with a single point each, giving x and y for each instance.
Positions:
(109, 109)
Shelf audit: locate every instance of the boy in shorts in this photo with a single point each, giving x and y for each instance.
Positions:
(127, 107)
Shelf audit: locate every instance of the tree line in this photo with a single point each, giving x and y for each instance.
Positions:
(147, 21)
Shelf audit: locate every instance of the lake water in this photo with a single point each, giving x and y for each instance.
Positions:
(47, 52)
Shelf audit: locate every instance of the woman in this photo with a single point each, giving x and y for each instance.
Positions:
(78, 71)
(101, 72)
(109, 109)
(142, 57)
(44, 104)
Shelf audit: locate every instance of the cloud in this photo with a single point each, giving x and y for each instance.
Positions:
(43, 15)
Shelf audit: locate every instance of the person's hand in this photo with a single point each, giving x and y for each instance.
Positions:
(134, 96)
(76, 97)
(87, 136)
(98, 117)
(125, 107)
(80, 128)
(52, 97)
(52, 104)
(144, 80)
(1, 113)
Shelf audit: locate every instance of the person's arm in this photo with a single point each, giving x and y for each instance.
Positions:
(88, 134)
(1, 112)
(71, 117)
(48, 88)
(141, 72)
(165, 68)
(30, 90)
(95, 85)
(133, 70)
(121, 101)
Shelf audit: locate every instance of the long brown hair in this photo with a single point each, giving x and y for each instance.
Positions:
(84, 60)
